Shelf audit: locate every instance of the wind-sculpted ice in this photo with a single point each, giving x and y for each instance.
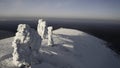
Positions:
(50, 39)
(26, 45)
(41, 28)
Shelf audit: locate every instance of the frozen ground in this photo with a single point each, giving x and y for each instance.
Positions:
(72, 49)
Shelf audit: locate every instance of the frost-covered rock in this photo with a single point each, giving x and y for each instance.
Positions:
(26, 44)
(41, 28)
(50, 39)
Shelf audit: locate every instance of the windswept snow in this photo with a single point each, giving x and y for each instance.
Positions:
(71, 49)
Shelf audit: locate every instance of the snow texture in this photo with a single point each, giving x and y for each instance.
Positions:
(73, 49)
(41, 28)
(26, 45)
(50, 39)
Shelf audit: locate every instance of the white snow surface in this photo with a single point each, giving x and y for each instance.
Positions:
(72, 49)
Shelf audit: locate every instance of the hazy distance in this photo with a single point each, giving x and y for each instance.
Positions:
(85, 9)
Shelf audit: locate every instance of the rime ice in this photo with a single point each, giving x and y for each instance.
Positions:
(50, 39)
(26, 45)
(41, 28)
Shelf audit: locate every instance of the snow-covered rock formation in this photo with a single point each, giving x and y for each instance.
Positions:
(41, 28)
(26, 45)
(50, 39)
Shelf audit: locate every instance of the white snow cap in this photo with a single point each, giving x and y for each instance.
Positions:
(26, 45)
(40, 20)
(50, 28)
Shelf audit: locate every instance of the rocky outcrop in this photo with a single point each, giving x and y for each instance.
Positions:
(41, 28)
(50, 39)
(26, 45)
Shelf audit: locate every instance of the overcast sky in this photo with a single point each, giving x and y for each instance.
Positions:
(96, 9)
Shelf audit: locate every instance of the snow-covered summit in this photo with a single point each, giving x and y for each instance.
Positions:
(71, 49)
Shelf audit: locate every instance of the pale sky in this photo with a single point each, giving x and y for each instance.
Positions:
(96, 9)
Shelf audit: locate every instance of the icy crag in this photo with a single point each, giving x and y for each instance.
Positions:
(41, 28)
(50, 39)
(26, 45)
(27, 42)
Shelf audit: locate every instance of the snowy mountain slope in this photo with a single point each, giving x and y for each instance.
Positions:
(72, 49)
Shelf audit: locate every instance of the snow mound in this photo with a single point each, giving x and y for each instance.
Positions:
(71, 49)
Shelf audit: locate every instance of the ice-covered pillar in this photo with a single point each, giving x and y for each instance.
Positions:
(21, 49)
(41, 28)
(25, 45)
(50, 39)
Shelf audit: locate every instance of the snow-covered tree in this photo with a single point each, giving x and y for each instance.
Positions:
(26, 45)
(50, 39)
